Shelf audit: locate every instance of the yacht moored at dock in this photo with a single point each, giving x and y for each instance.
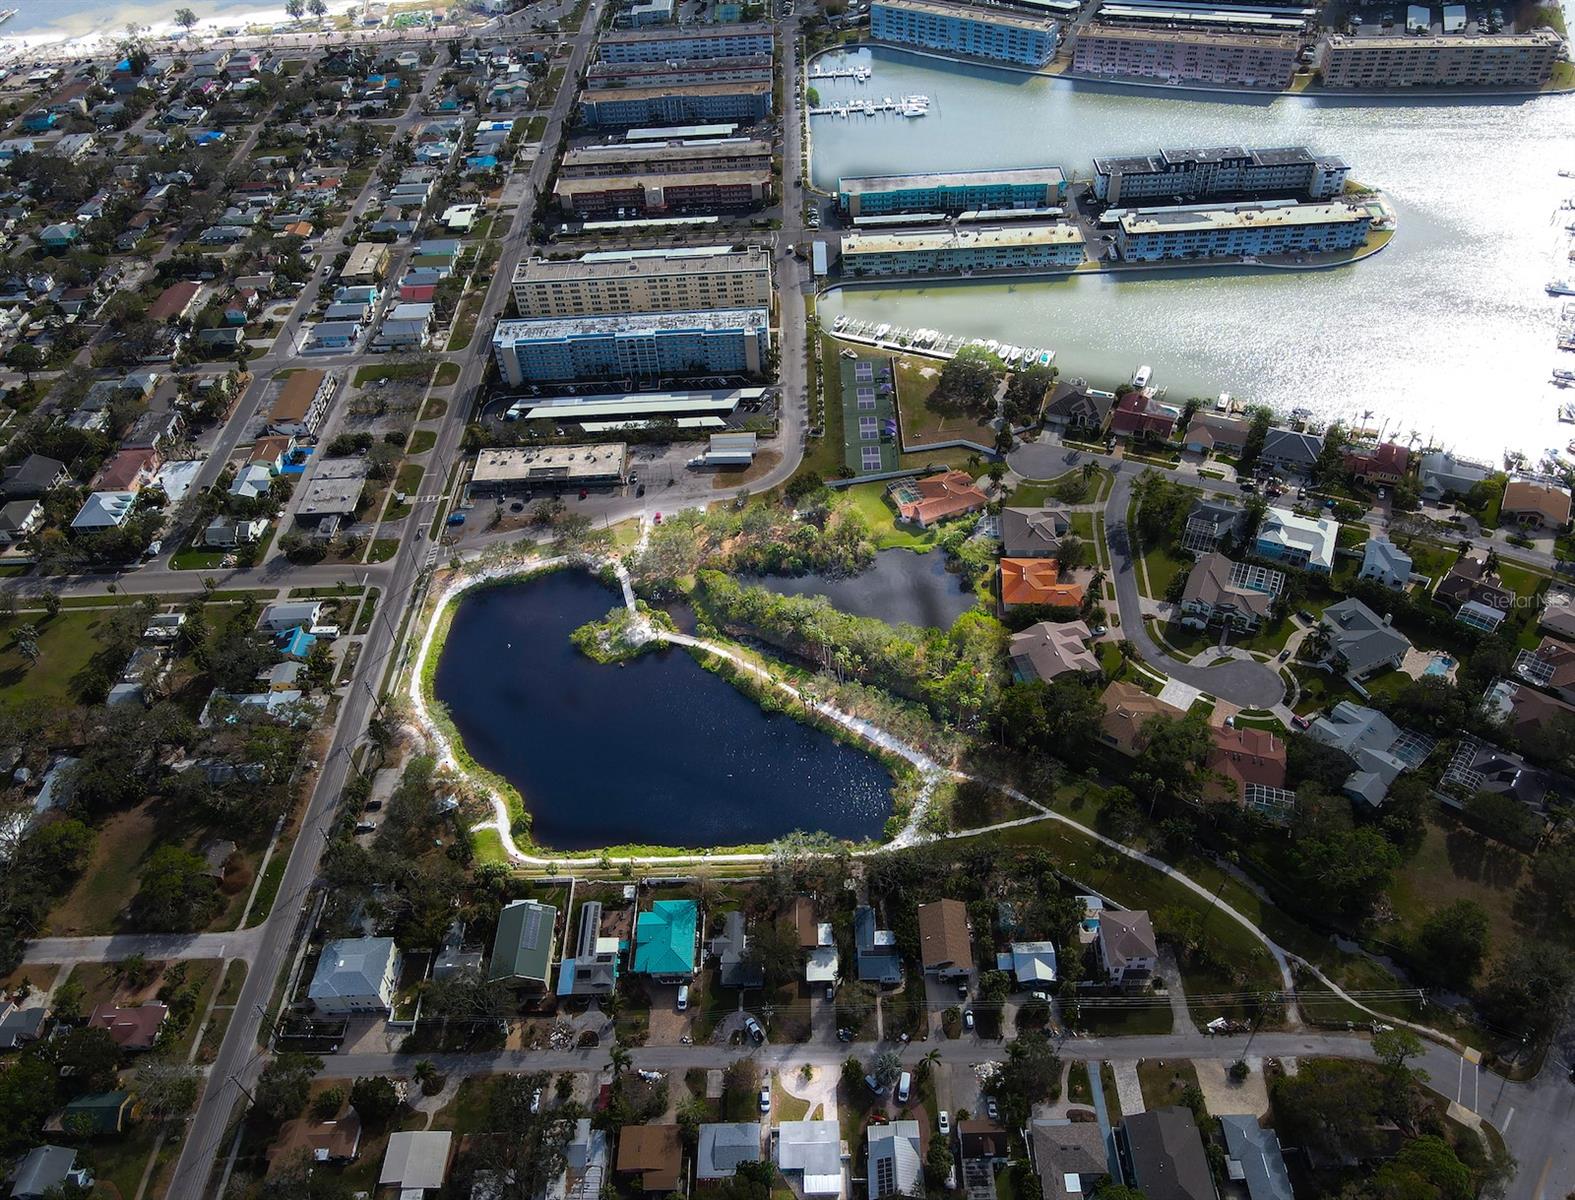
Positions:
(1561, 287)
(1141, 376)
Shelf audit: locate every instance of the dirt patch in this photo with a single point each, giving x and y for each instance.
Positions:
(730, 477)
(98, 903)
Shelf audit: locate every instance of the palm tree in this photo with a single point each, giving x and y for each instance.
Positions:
(318, 8)
(619, 1058)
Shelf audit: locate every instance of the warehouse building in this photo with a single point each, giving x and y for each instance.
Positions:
(947, 250)
(1218, 172)
(642, 346)
(677, 280)
(997, 33)
(1225, 57)
(1517, 60)
(950, 192)
(555, 468)
(1231, 230)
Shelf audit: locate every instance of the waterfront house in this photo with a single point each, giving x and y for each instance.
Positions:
(1127, 709)
(730, 947)
(1215, 433)
(1385, 463)
(1068, 1156)
(1033, 532)
(1221, 592)
(1372, 741)
(416, 1162)
(1478, 766)
(1037, 581)
(813, 1149)
(1141, 417)
(664, 941)
(1306, 542)
(655, 1153)
(878, 960)
(355, 976)
(1074, 407)
(522, 948)
(1291, 450)
(1360, 641)
(1536, 504)
(1047, 650)
(1441, 474)
(816, 940)
(1163, 1153)
(1127, 949)
(1247, 767)
(1558, 614)
(722, 1148)
(593, 969)
(945, 939)
(896, 1160)
(1385, 563)
(924, 502)
(1211, 523)
(130, 1028)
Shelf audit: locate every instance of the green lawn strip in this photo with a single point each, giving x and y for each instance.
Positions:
(1107, 1085)
(1162, 566)
(422, 440)
(465, 323)
(1078, 1089)
(414, 372)
(488, 845)
(368, 611)
(268, 891)
(1164, 1080)
(66, 642)
(1456, 863)
(382, 550)
(409, 478)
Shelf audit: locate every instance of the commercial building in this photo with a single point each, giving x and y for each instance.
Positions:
(676, 280)
(1507, 60)
(669, 104)
(689, 41)
(1250, 60)
(302, 402)
(500, 472)
(951, 191)
(956, 249)
(1233, 230)
(366, 264)
(1219, 172)
(728, 341)
(650, 191)
(678, 156)
(997, 33)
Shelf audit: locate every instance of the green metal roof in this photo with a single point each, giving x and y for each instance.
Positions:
(523, 948)
(104, 1112)
(664, 938)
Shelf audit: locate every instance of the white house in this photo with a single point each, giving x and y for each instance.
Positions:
(277, 618)
(1385, 563)
(356, 975)
(1306, 542)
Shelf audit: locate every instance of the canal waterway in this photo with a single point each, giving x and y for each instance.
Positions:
(1447, 332)
(902, 587)
(658, 751)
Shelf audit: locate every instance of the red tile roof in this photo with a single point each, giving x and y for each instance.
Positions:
(1245, 756)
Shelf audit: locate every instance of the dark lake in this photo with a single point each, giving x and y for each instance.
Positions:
(657, 751)
(902, 587)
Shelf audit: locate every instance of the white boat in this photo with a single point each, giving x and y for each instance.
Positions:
(1013, 353)
(1561, 287)
(992, 345)
(1223, 403)
(842, 319)
(1564, 375)
(1142, 375)
(882, 330)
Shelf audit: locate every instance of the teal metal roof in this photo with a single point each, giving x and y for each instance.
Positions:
(664, 938)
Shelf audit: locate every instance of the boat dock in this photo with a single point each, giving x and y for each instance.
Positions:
(857, 74)
(903, 106)
(1566, 334)
(930, 343)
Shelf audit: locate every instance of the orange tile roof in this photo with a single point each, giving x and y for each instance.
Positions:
(940, 496)
(1549, 501)
(1037, 581)
(1245, 756)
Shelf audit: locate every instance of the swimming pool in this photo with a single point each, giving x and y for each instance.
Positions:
(1441, 665)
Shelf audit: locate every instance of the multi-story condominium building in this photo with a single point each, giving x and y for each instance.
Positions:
(1254, 60)
(1217, 172)
(1225, 230)
(651, 192)
(657, 158)
(678, 280)
(742, 69)
(667, 104)
(687, 41)
(975, 29)
(950, 192)
(639, 346)
(1011, 247)
(1515, 60)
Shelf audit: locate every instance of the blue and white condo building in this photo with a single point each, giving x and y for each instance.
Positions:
(951, 191)
(641, 346)
(948, 250)
(979, 30)
(1238, 230)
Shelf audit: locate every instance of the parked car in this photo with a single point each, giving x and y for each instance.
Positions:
(992, 1108)
(765, 1098)
(967, 1018)
(1301, 722)
(683, 997)
(962, 989)
(944, 1120)
(373, 805)
(1284, 655)
(535, 1101)
(756, 1033)
(904, 1087)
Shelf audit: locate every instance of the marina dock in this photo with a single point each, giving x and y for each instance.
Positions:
(926, 343)
(857, 74)
(903, 106)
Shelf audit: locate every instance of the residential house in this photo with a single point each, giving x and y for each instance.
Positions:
(721, 1148)
(1291, 451)
(223, 533)
(585, 1165)
(1211, 524)
(1373, 742)
(335, 1142)
(817, 940)
(1127, 949)
(45, 1170)
(1221, 592)
(896, 1166)
(1037, 581)
(104, 510)
(58, 237)
(522, 947)
(1074, 407)
(355, 975)
(593, 969)
(1163, 1153)
(1524, 710)
(1213, 433)
(1069, 1157)
(1558, 615)
(253, 481)
(18, 518)
(1360, 641)
(18, 1026)
(176, 302)
(130, 1028)
(664, 942)
(1033, 963)
(924, 502)
(1141, 417)
(1033, 532)
(101, 1114)
(653, 1152)
(416, 1161)
(730, 947)
(1536, 504)
(129, 470)
(1386, 463)
(1306, 542)
(1478, 766)
(1551, 665)
(1470, 580)
(1247, 766)
(1127, 709)
(32, 478)
(982, 1150)
(1385, 563)
(1441, 475)
(1253, 1159)
(813, 1149)
(289, 614)
(875, 949)
(945, 939)
(1049, 649)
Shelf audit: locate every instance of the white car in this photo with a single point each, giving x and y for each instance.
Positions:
(765, 1098)
(944, 1120)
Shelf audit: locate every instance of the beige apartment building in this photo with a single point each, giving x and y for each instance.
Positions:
(1512, 60)
(1256, 60)
(689, 280)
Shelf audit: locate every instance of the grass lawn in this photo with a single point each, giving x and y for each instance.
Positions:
(1078, 1090)
(1107, 1085)
(1083, 525)
(198, 558)
(97, 904)
(436, 409)
(467, 1111)
(1163, 1080)
(118, 1163)
(66, 642)
(1521, 580)
(923, 425)
(785, 1107)
(1122, 1017)
(409, 478)
(870, 500)
(1186, 640)
(1319, 689)
(1162, 565)
(448, 373)
(382, 550)
(824, 455)
(422, 440)
(410, 371)
(465, 323)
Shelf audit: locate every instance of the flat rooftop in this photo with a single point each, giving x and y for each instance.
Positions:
(655, 151)
(1059, 234)
(1204, 16)
(673, 32)
(550, 462)
(670, 179)
(648, 263)
(860, 184)
(1154, 164)
(1499, 41)
(737, 87)
(738, 62)
(983, 14)
(1188, 37)
(1238, 216)
(619, 404)
(716, 320)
